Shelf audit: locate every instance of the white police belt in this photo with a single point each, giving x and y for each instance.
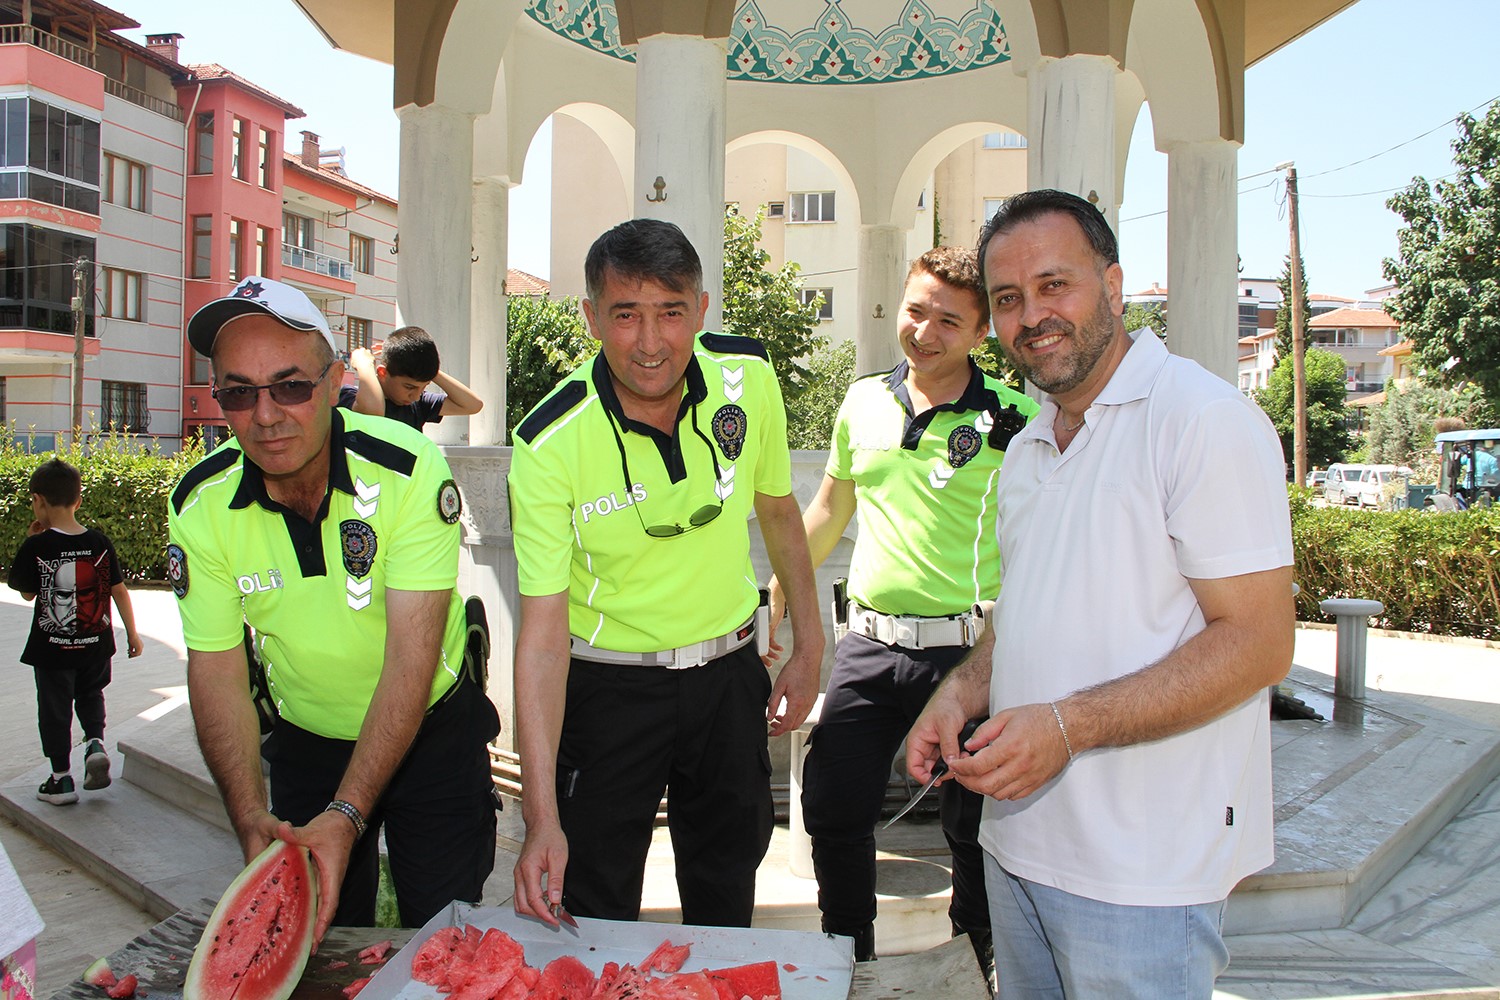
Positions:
(682, 658)
(913, 632)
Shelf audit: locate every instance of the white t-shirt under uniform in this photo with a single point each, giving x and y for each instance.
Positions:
(1175, 475)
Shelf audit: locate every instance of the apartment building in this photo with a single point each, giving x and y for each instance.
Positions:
(133, 189)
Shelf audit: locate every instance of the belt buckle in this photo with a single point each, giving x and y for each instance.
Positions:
(686, 657)
(885, 628)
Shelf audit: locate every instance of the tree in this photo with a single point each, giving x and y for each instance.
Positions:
(545, 340)
(1448, 268)
(1327, 438)
(766, 303)
(1284, 311)
(1401, 430)
(1139, 314)
(830, 369)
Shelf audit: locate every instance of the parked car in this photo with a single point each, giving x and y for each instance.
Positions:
(1315, 479)
(1370, 490)
(1341, 484)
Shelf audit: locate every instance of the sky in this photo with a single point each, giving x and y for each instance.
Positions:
(1362, 104)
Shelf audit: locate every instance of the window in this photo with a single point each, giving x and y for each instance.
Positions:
(296, 231)
(4, 419)
(359, 332)
(36, 278)
(812, 206)
(264, 174)
(236, 242)
(123, 406)
(203, 246)
(776, 210)
(991, 206)
(122, 294)
(1249, 319)
(124, 182)
(203, 143)
(239, 164)
(362, 254)
(48, 154)
(262, 250)
(825, 311)
(1004, 140)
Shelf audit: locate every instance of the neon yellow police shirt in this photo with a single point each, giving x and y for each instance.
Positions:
(581, 527)
(925, 491)
(315, 594)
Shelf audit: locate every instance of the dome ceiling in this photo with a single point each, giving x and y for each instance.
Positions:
(797, 41)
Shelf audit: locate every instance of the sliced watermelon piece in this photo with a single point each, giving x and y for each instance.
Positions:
(375, 954)
(758, 981)
(682, 986)
(122, 989)
(566, 978)
(667, 957)
(352, 990)
(256, 943)
(100, 974)
(430, 963)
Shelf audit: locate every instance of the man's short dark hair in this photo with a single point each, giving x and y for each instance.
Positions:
(1031, 205)
(410, 353)
(57, 482)
(644, 250)
(958, 267)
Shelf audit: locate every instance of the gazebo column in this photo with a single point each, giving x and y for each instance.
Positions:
(882, 276)
(1202, 256)
(1071, 136)
(487, 306)
(680, 110)
(435, 222)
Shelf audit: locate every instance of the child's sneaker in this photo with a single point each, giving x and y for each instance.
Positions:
(58, 791)
(95, 766)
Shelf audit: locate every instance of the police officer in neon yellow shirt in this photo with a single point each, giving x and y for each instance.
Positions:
(636, 667)
(335, 536)
(916, 452)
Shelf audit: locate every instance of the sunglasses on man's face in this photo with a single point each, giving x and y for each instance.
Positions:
(290, 392)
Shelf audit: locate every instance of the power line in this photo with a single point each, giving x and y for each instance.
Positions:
(1407, 142)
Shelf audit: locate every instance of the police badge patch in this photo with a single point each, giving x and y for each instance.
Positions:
(963, 444)
(358, 540)
(177, 574)
(449, 504)
(729, 428)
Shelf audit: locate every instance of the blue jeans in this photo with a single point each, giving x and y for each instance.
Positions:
(1053, 944)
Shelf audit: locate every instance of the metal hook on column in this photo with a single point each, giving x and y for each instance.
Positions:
(879, 312)
(396, 245)
(661, 190)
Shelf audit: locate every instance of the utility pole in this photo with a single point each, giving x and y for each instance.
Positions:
(80, 278)
(1299, 344)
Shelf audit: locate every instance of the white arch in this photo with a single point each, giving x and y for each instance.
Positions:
(474, 41)
(1168, 50)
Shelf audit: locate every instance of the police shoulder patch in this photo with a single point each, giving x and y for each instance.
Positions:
(177, 570)
(449, 503)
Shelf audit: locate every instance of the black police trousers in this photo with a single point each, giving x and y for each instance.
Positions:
(875, 693)
(438, 811)
(632, 732)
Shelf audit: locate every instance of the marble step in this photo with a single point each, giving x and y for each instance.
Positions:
(163, 759)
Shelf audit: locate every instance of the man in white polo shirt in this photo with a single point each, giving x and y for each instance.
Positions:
(1147, 607)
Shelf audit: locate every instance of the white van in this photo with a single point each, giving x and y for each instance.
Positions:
(1370, 490)
(1342, 484)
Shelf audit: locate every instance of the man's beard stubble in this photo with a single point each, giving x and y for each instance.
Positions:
(1090, 342)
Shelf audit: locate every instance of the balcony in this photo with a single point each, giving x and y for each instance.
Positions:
(167, 109)
(27, 34)
(318, 263)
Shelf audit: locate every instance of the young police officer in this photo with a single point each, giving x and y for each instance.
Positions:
(916, 452)
(335, 536)
(636, 665)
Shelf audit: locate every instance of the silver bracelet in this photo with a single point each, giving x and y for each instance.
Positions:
(358, 819)
(1058, 716)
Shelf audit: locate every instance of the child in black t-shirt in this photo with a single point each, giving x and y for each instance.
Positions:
(393, 380)
(72, 573)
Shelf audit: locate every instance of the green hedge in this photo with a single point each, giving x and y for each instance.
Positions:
(125, 491)
(1433, 572)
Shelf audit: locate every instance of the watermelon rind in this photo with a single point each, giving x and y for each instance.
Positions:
(283, 881)
(99, 974)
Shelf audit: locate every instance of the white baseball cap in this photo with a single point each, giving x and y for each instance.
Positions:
(256, 295)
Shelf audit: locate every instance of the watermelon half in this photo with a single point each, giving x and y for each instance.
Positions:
(257, 941)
